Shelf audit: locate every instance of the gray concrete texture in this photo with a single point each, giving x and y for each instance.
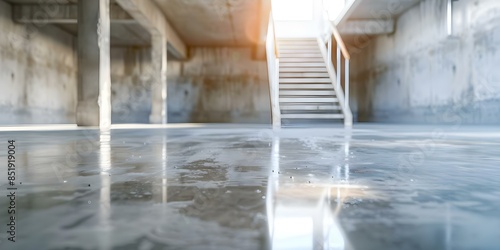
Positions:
(94, 65)
(217, 84)
(38, 67)
(417, 74)
(215, 22)
(63, 14)
(245, 187)
(420, 75)
(369, 9)
(214, 85)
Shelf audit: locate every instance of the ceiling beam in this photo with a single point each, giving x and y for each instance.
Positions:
(367, 27)
(151, 18)
(61, 14)
(347, 11)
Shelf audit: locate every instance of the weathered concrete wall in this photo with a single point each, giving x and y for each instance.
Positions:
(131, 80)
(222, 85)
(219, 85)
(38, 75)
(38, 69)
(420, 75)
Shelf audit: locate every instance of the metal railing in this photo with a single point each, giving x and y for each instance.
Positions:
(327, 31)
(273, 71)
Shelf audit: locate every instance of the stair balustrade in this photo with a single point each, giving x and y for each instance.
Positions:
(273, 71)
(327, 31)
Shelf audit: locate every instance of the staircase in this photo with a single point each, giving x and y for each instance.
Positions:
(306, 92)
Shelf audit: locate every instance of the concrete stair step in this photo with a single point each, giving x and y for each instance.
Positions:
(304, 107)
(298, 92)
(312, 116)
(300, 55)
(311, 112)
(305, 86)
(297, 50)
(305, 80)
(296, 39)
(303, 70)
(309, 42)
(298, 47)
(285, 52)
(304, 74)
(299, 64)
(300, 60)
(308, 99)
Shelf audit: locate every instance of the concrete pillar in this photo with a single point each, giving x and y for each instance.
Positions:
(159, 87)
(94, 80)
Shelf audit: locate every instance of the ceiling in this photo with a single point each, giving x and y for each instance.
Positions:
(214, 22)
(374, 9)
(198, 22)
(122, 34)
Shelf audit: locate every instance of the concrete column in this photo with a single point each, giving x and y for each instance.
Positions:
(159, 87)
(94, 80)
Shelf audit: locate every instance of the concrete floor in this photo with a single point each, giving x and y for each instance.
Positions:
(245, 187)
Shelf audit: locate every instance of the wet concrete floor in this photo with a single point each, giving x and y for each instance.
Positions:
(247, 187)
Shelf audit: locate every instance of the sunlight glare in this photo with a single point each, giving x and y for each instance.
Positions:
(293, 10)
(334, 8)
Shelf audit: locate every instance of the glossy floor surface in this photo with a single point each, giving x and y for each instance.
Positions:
(247, 187)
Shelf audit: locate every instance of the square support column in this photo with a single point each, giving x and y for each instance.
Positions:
(159, 86)
(94, 79)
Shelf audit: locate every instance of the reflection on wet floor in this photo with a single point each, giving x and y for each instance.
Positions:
(228, 187)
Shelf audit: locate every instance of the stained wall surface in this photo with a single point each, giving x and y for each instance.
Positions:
(221, 84)
(38, 67)
(131, 79)
(419, 74)
(39, 75)
(215, 85)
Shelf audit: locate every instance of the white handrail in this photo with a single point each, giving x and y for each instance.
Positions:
(273, 72)
(336, 74)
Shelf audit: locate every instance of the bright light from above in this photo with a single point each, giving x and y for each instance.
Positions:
(334, 7)
(302, 10)
(292, 10)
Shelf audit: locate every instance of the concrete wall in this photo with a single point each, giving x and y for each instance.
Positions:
(222, 85)
(219, 85)
(38, 69)
(420, 75)
(38, 76)
(131, 80)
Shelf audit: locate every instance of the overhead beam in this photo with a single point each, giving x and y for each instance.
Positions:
(61, 14)
(151, 18)
(347, 11)
(367, 27)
